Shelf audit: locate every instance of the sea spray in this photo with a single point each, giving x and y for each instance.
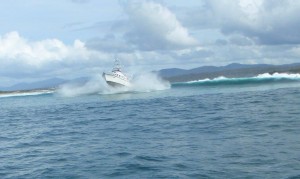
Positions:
(148, 82)
(259, 79)
(144, 82)
(294, 76)
(94, 85)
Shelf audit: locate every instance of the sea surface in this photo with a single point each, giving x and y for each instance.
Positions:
(212, 128)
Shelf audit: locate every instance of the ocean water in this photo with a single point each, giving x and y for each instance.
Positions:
(212, 128)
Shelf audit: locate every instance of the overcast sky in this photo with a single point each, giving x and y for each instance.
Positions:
(41, 39)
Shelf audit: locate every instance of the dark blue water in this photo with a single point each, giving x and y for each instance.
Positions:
(188, 131)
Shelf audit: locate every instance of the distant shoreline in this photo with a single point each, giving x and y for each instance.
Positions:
(229, 71)
(26, 91)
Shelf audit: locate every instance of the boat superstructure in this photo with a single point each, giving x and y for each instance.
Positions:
(116, 78)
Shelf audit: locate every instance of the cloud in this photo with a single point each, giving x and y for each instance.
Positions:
(19, 56)
(242, 31)
(267, 22)
(240, 40)
(149, 26)
(155, 27)
(110, 43)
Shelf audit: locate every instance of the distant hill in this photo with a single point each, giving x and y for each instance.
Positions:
(231, 70)
(49, 83)
(45, 84)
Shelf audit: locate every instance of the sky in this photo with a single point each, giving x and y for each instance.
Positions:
(42, 39)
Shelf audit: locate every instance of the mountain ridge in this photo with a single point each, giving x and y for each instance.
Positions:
(230, 70)
(43, 84)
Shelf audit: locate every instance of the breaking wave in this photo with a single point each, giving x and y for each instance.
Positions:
(146, 82)
(259, 79)
(25, 93)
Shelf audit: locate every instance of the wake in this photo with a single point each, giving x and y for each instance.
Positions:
(146, 82)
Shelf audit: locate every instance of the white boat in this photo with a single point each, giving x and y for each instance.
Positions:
(116, 78)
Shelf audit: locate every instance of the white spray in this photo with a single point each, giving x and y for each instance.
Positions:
(145, 82)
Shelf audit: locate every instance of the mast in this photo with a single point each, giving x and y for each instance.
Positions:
(117, 66)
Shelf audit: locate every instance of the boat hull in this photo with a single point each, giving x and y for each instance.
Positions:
(115, 81)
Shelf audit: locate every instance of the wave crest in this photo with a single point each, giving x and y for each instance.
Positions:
(259, 79)
(25, 93)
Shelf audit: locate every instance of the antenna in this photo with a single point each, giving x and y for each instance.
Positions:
(117, 66)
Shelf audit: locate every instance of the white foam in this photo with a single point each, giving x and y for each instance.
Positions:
(148, 82)
(294, 76)
(203, 80)
(145, 82)
(280, 75)
(95, 85)
(27, 93)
